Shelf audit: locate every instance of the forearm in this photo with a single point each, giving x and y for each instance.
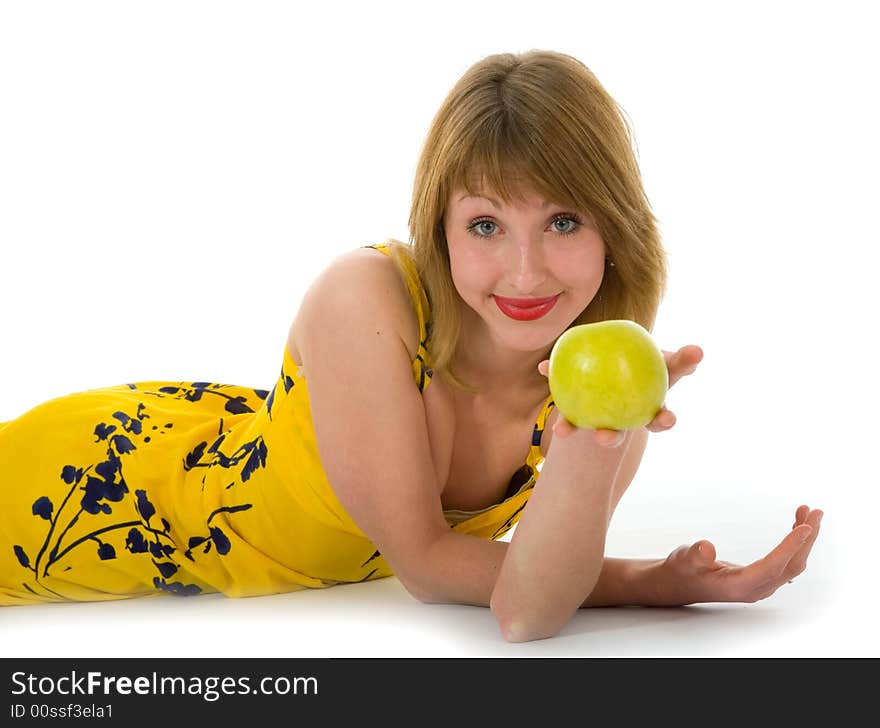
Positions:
(556, 555)
(555, 562)
(463, 569)
(629, 583)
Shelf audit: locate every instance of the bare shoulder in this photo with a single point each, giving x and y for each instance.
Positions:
(369, 284)
(367, 411)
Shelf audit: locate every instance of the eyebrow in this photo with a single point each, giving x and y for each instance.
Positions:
(494, 202)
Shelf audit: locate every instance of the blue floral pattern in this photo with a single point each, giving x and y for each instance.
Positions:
(94, 490)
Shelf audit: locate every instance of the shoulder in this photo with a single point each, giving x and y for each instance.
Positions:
(366, 284)
(366, 411)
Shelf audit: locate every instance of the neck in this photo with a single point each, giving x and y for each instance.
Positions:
(495, 370)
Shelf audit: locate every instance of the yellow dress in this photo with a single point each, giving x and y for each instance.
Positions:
(187, 488)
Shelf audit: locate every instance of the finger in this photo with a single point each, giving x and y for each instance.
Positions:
(544, 367)
(562, 428)
(697, 557)
(705, 552)
(610, 438)
(799, 561)
(773, 565)
(682, 362)
(689, 357)
(800, 515)
(664, 420)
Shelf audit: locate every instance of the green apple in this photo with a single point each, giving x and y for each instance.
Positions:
(608, 375)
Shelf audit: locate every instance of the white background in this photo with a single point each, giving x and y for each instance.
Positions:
(174, 174)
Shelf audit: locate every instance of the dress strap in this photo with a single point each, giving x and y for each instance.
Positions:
(422, 370)
(535, 457)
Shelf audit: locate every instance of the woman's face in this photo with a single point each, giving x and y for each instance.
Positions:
(531, 250)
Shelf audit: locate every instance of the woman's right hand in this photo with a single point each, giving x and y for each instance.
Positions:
(679, 364)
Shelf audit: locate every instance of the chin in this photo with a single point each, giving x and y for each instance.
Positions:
(529, 336)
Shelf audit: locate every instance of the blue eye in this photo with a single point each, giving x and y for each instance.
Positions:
(479, 224)
(568, 217)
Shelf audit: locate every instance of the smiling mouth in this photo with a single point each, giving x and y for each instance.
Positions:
(526, 302)
(526, 309)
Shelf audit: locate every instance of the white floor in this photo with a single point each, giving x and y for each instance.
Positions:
(379, 619)
(816, 616)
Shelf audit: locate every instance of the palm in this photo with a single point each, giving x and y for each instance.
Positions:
(693, 574)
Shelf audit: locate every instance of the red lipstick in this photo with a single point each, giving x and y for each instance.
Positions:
(525, 309)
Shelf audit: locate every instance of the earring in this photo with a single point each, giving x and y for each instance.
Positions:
(609, 262)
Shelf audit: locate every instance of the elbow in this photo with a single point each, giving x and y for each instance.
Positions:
(520, 632)
(519, 626)
(421, 591)
(525, 630)
(419, 594)
(538, 611)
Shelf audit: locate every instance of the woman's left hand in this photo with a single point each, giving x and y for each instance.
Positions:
(679, 364)
(691, 574)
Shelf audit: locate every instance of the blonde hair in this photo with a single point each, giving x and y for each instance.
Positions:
(539, 117)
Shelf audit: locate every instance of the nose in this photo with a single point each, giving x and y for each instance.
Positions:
(526, 265)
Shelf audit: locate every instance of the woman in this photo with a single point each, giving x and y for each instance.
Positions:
(411, 417)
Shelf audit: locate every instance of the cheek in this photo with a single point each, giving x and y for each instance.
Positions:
(581, 270)
(469, 281)
(472, 274)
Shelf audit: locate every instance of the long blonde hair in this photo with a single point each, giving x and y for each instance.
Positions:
(542, 117)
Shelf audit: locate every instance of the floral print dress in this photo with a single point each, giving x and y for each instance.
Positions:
(185, 488)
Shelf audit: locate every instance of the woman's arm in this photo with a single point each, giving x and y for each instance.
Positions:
(368, 415)
(556, 555)
(464, 570)
(691, 574)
